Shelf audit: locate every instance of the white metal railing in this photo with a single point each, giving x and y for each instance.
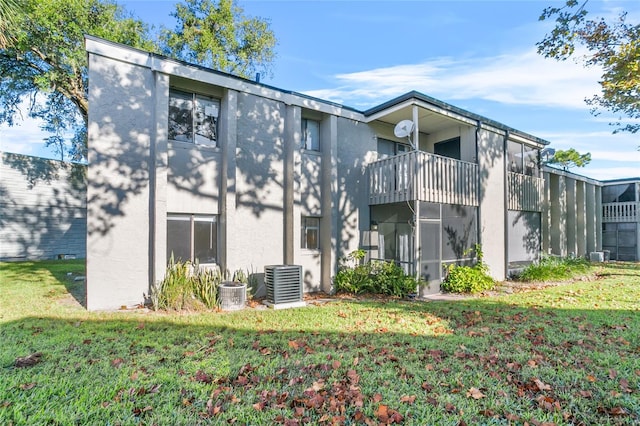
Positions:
(621, 212)
(419, 175)
(525, 192)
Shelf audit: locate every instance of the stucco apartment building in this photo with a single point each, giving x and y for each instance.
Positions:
(209, 166)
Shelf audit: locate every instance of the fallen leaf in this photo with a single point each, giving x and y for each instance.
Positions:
(29, 360)
(293, 344)
(27, 386)
(541, 385)
(202, 377)
(117, 363)
(409, 399)
(475, 393)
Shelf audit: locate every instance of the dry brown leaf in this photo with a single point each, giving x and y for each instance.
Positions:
(475, 393)
(29, 360)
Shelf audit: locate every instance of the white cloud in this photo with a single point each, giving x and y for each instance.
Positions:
(516, 79)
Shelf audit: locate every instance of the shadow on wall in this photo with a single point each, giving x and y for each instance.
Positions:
(42, 208)
(529, 223)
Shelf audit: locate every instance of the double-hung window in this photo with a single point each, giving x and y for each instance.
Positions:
(310, 232)
(193, 118)
(192, 238)
(310, 134)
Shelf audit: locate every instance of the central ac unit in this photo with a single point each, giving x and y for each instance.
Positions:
(284, 286)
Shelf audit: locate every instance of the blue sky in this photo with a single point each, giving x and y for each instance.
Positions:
(476, 55)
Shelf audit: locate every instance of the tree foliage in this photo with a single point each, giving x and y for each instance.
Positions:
(220, 36)
(8, 14)
(570, 158)
(43, 60)
(613, 45)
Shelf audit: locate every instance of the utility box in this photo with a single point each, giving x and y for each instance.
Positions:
(284, 286)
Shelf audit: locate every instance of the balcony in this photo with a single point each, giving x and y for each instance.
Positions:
(525, 192)
(621, 212)
(422, 176)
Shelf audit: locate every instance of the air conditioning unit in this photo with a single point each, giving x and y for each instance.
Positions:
(231, 295)
(284, 286)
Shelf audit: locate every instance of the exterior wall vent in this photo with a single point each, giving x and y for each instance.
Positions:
(284, 286)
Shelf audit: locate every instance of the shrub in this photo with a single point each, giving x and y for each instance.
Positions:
(551, 268)
(173, 291)
(187, 285)
(205, 284)
(469, 279)
(378, 277)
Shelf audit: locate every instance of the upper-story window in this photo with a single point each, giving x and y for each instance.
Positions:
(310, 134)
(523, 159)
(621, 193)
(387, 148)
(193, 118)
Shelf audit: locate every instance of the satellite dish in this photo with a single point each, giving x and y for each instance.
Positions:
(403, 129)
(547, 154)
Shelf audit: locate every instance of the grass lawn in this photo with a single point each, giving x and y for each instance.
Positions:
(563, 355)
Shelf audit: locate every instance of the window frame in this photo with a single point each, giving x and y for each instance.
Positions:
(305, 228)
(192, 219)
(313, 146)
(196, 109)
(521, 167)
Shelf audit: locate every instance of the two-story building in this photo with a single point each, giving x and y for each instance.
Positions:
(207, 166)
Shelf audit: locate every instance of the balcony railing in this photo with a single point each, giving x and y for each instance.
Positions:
(621, 212)
(525, 192)
(422, 176)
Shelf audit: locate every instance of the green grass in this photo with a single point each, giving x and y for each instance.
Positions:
(564, 355)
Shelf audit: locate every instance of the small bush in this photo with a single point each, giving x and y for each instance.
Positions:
(551, 268)
(186, 286)
(469, 279)
(377, 277)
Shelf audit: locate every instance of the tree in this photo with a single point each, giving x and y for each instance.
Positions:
(44, 61)
(8, 13)
(570, 158)
(218, 35)
(612, 45)
(43, 58)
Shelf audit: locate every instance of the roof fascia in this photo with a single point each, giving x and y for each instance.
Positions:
(571, 175)
(158, 63)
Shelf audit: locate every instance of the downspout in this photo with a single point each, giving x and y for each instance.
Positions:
(506, 204)
(416, 210)
(478, 189)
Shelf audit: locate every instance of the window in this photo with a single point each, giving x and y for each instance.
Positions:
(310, 134)
(618, 193)
(523, 159)
(449, 148)
(387, 148)
(193, 118)
(310, 233)
(514, 155)
(192, 237)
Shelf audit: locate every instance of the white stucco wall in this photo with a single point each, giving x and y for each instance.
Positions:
(118, 204)
(491, 166)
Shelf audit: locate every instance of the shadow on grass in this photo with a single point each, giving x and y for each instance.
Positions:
(257, 366)
(460, 360)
